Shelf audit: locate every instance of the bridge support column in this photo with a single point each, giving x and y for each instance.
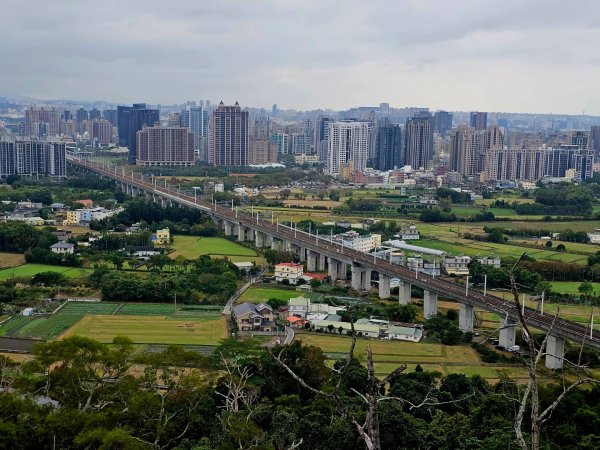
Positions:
(227, 228)
(404, 293)
(366, 280)
(384, 286)
(332, 268)
(507, 333)
(356, 282)
(250, 234)
(311, 261)
(274, 243)
(342, 270)
(555, 352)
(268, 241)
(322, 259)
(259, 239)
(302, 253)
(430, 304)
(465, 318)
(240, 233)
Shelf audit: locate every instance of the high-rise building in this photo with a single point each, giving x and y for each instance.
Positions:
(464, 150)
(515, 164)
(321, 137)
(81, 115)
(99, 131)
(229, 136)
(299, 144)
(348, 145)
(175, 120)
(389, 147)
(595, 141)
(479, 120)
(131, 119)
(198, 124)
(569, 157)
(111, 116)
(165, 146)
(30, 157)
(443, 122)
(282, 142)
(580, 138)
(262, 148)
(42, 122)
(418, 135)
(94, 114)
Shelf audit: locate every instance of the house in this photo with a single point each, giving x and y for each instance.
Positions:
(351, 239)
(408, 232)
(144, 252)
(251, 317)
(304, 288)
(296, 322)
(288, 271)
(418, 264)
(62, 247)
(595, 236)
(27, 312)
(403, 333)
(492, 261)
(162, 237)
(78, 217)
(299, 306)
(457, 265)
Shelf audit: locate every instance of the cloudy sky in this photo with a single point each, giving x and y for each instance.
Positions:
(495, 55)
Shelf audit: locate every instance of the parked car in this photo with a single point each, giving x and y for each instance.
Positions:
(501, 347)
(514, 348)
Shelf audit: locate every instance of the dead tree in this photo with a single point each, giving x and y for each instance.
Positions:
(529, 398)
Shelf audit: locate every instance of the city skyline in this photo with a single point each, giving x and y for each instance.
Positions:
(459, 56)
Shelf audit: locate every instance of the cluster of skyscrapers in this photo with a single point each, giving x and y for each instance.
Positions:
(364, 138)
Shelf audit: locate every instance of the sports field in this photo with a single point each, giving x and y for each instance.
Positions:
(191, 247)
(11, 259)
(259, 294)
(151, 329)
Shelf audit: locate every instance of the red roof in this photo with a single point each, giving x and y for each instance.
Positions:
(289, 265)
(294, 319)
(318, 276)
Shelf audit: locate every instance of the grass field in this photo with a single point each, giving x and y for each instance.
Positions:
(259, 294)
(29, 270)
(11, 259)
(432, 357)
(570, 287)
(151, 329)
(191, 247)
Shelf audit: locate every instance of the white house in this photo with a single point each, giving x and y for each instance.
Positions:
(493, 261)
(408, 232)
(457, 265)
(288, 271)
(62, 247)
(403, 333)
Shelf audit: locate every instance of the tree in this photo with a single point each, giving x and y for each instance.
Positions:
(529, 397)
(496, 236)
(548, 244)
(586, 289)
(561, 248)
(49, 278)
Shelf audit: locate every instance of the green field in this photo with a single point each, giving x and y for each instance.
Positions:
(259, 294)
(29, 270)
(151, 329)
(191, 247)
(388, 355)
(570, 287)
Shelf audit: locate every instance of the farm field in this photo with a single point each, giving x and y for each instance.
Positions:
(260, 294)
(570, 287)
(11, 259)
(575, 225)
(29, 270)
(475, 248)
(151, 329)
(434, 357)
(191, 247)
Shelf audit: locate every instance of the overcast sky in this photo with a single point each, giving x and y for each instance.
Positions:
(495, 55)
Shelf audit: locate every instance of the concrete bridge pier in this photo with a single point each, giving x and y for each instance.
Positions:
(342, 270)
(241, 233)
(259, 239)
(366, 280)
(430, 304)
(250, 234)
(507, 333)
(302, 253)
(555, 352)
(268, 240)
(465, 318)
(275, 243)
(227, 228)
(356, 282)
(404, 293)
(311, 261)
(332, 268)
(322, 259)
(384, 286)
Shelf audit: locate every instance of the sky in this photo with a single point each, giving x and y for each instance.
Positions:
(491, 55)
